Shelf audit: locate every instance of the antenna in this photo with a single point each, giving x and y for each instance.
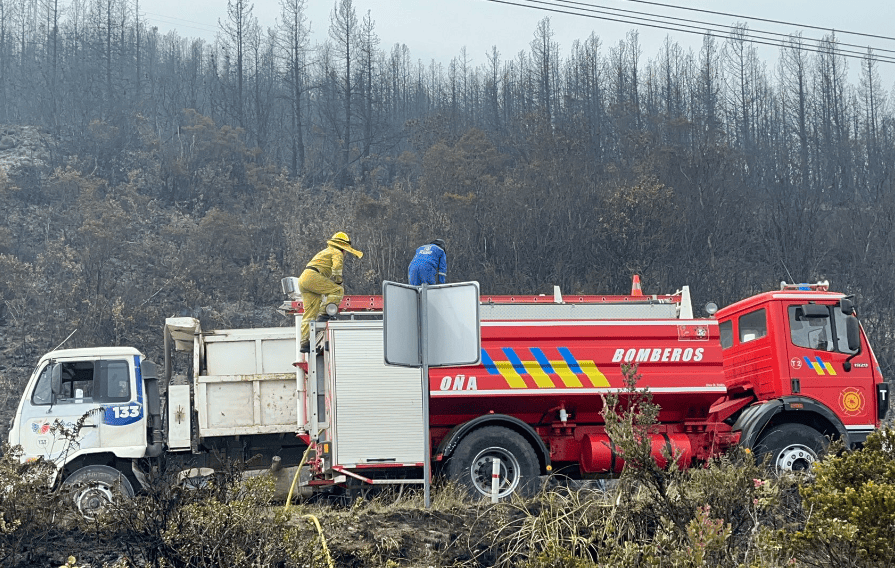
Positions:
(788, 273)
(66, 339)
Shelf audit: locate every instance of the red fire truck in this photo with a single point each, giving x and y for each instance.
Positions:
(780, 372)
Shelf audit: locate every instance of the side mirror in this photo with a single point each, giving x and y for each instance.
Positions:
(853, 333)
(847, 306)
(56, 378)
(148, 370)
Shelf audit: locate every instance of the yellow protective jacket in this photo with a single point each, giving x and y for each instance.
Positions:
(329, 262)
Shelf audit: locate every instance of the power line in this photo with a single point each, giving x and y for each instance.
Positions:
(784, 36)
(555, 8)
(170, 20)
(202, 24)
(762, 19)
(648, 20)
(175, 26)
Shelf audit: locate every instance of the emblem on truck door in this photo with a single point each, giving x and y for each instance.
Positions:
(851, 400)
(41, 427)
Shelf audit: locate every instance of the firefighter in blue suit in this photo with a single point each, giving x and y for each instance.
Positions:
(429, 265)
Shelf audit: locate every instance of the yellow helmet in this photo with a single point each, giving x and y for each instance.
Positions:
(341, 241)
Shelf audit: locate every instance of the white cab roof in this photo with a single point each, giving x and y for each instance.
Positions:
(91, 353)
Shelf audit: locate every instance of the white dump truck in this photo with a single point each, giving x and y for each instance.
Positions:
(105, 416)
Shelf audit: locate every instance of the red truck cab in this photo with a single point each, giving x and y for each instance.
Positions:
(801, 359)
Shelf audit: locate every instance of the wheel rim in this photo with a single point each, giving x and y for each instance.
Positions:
(482, 466)
(93, 499)
(795, 457)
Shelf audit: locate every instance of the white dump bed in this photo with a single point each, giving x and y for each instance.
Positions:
(244, 379)
(249, 384)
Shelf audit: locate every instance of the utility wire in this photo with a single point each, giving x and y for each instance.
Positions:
(646, 18)
(745, 36)
(175, 26)
(762, 19)
(650, 22)
(784, 36)
(201, 24)
(171, 20)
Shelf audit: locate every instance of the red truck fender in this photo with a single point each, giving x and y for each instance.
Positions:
(797, 409)
(450, 441)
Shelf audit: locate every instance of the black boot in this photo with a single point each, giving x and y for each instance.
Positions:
(305, 347)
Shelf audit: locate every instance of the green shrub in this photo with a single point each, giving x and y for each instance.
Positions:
(554, 555)
(557, 528)
(851, 501)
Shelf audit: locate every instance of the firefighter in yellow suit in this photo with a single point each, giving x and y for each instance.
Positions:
(323, 277)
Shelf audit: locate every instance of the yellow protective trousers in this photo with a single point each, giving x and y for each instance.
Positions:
(313, 287)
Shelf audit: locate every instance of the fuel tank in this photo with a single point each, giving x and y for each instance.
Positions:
(599, 456)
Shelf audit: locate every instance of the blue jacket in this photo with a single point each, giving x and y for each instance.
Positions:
(429, 265)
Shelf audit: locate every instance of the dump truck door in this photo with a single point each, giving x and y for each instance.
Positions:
(51, 425)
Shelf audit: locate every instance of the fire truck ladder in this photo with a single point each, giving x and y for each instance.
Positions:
(539, 307)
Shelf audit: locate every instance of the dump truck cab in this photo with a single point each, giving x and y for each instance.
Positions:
(96, 395)
(91, 412)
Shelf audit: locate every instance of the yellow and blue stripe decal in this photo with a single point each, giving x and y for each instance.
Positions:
(819, 366)
(544, 373)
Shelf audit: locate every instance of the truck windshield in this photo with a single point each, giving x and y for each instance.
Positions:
(821, 334)
(42, 390)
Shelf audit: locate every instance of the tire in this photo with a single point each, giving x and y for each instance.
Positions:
(95, 487)
(471, 463)
(790, 447)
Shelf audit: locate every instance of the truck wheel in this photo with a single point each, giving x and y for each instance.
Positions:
(471, 463)
(790, 447)
(95, 487)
